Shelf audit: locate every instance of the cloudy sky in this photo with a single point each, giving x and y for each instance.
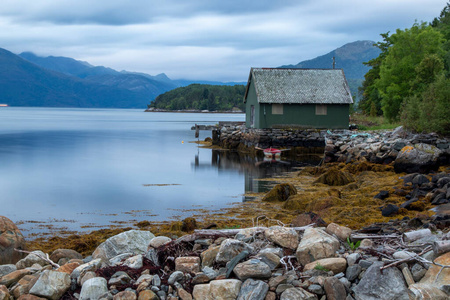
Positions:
(200, 39)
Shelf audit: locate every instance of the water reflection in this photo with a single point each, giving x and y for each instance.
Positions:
(253, 168)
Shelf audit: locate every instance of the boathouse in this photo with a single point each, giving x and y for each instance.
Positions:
(306, 98)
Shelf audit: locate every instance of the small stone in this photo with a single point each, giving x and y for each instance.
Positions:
(418, 272)
(175, 277)
(353, 258)
(282, 287)
(382, 195)
(120, 278)
(65, 253)
(134, 262)
(353, 272)
(389, 210)
(6, 269)
(68, 268)
(147, 295)
(271, 259)
(366, 243)
(35, 257)
(183, 294)
(341, 232)
(316, 289)
(202, 291)
(208, 256)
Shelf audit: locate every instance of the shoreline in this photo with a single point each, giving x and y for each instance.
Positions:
(352, 205)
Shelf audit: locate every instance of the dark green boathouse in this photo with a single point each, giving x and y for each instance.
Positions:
(306, 98)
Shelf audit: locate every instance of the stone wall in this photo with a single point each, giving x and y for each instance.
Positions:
(380, 147)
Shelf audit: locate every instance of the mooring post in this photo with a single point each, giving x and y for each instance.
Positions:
(197, 131)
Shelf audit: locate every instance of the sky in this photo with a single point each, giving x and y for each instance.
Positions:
(200, 39)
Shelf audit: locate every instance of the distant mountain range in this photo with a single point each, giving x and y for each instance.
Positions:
(349, 57)
(29, 80)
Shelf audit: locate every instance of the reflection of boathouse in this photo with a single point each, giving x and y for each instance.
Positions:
(252, 167)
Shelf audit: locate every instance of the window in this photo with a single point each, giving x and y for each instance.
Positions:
(277, 109)
(321, 110)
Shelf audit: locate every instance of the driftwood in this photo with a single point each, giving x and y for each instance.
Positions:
(412, 236)
(358, 236)
(441, 247)
(413, 257)
(47, 259)
(214, 233)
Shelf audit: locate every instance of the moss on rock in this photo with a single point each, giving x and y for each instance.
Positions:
(335, 177)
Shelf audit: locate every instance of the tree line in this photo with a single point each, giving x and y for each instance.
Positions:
(202, 97)
(409, 82)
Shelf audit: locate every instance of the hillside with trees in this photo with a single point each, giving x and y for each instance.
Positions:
(410, 80)
(201, 97)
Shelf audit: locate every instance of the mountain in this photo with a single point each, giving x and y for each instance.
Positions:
(349, 57)
(23, 83)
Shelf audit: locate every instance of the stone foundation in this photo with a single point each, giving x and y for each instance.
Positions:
(381, 147)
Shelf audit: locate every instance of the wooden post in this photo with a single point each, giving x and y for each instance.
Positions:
(197, 131)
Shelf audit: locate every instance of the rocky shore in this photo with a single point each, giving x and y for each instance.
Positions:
(307, 262)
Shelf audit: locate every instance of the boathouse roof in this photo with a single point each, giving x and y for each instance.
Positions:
(299, 86)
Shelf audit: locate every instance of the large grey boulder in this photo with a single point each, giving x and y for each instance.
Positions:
(374, 285)
(132, 241)
(253, 290)
(316, 244)
(93, 288)
(51, 285)
(421, 158)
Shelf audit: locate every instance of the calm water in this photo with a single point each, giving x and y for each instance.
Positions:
(81, 168)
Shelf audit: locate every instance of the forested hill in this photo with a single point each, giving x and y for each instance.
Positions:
(201, 97)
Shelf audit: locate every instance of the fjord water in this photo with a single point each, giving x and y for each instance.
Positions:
(71, 169)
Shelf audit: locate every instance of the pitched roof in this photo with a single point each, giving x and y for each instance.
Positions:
(303, 86)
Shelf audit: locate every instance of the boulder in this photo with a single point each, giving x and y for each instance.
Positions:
(51, 285)
(224, 289)
(316, 244)
(13, 277)
(209, 256)
(421, 158)
(4, 293)
(431, 276)
(132, 241)
(389, 285)
(67, 254)
(335, 264)
(10, 238)
(6, 269)
(202, 291)
(280, 192)
(125, 295)
(282, 236)
(94, 288)
(189, 264)
(253, 290)
(35, 257)
(297, 294)
(253, 268)
(334, 289)
(341, 232)
(230, 248)
(24, 285)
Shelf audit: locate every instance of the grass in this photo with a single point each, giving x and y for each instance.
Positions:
(371, 123)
